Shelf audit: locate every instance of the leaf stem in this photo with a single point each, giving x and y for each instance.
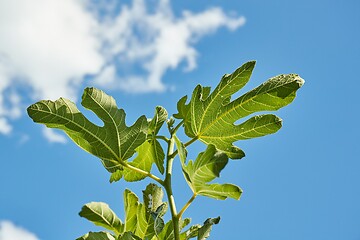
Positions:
(163, 138)
(168, 188)
(177, 127)
(150, 175)
(187, 205)
(185, 145)
(190, 141)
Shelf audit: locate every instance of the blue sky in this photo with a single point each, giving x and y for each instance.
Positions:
(301, 183)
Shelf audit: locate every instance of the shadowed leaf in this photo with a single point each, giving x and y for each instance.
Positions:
(97, 236)
(204, 231)
(129, 236)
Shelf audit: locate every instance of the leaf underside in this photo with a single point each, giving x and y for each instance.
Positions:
(101, 215)
(114, 142)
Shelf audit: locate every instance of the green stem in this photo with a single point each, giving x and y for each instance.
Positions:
(185, 145)
(168, 188)
(190, 141)
(135, 169)
(177, 126)
(186, 205)
(163, 138)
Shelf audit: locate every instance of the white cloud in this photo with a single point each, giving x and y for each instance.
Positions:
(49, 44)
(8, 231)
(5, 127)
(53, 136)
(48, 47)
(155, 40)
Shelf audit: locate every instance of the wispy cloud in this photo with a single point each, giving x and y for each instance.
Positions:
(5, 127)
(155, 40)
(50, 47)
(9, 231)
(53, 136)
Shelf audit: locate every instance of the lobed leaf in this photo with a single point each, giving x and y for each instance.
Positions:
(147, 153)
(206, 168)
(211, 117)
(101, 215)
(113, 143)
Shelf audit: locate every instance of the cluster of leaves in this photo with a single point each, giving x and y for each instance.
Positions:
(210, 117)
(142, 220)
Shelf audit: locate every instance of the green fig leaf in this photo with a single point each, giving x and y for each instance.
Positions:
(204, 231)
(97, 236)
(192, 232)
(101, 215)
(149, 214)
(129, 236)
(145, 223)
(153, 196)
(168, 231)
(158, 120)
(155, 124)
(131, 204)
(211, 117)
(113, 143)
(206, 168)
(147, 153)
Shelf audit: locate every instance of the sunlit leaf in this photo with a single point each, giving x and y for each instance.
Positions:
(158, 120)
(153, 196)
(206, 168)
(211, 117)
(149, 214)
(131, 203)
(113, 143)
(154, 126)
(146, 155)
(101, 215)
